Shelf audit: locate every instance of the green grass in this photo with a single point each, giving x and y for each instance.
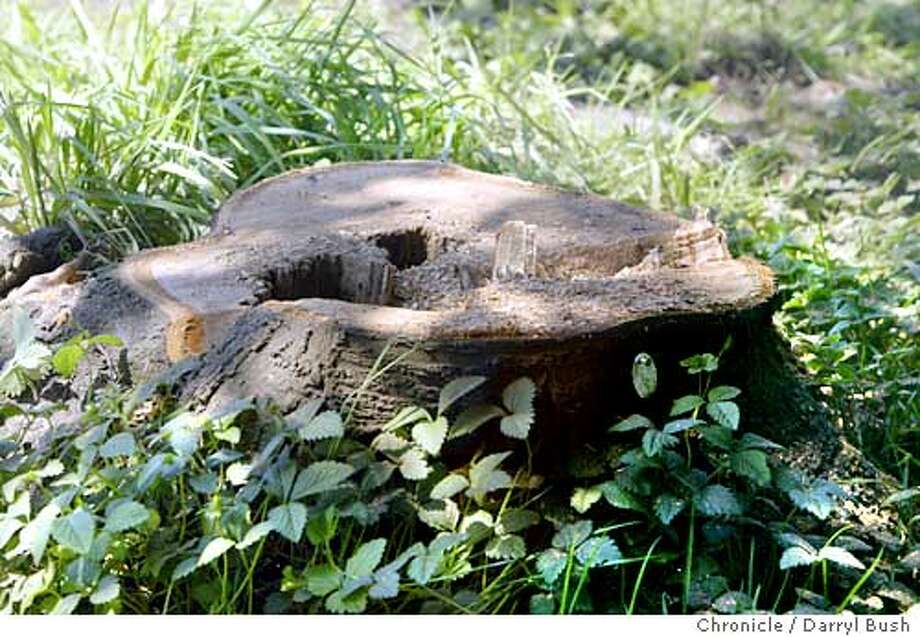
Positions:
(135, 128)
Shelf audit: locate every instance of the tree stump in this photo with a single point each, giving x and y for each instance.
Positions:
(305, 278)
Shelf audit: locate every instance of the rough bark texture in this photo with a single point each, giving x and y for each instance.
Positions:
(306, 278)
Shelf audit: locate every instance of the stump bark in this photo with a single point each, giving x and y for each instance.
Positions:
(305, 278)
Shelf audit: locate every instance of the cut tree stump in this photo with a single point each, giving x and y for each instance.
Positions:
(306, 277)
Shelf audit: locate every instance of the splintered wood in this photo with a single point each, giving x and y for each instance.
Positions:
(515, 251)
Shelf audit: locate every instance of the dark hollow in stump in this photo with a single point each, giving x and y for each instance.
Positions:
(306, 277)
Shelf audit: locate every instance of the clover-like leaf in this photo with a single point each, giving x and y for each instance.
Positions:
(320, 477)
(126, 515)
(573, 534)
(722, 392)
(583, 498)
(324, 426)
(667, 507)
(255, 534)
(550, 564)
(633, 422)
(449, 486)
(430, 435)
(413, 466)
(486, 477)
(797, 556)
(725, 413)
(506, 547)
(472, 419)
(289, 520)
(686, 404)
(840, 555)
(518, 396)
(717, 500)
(752, 464)
(214, 549)
(457, 389)
(597, 552)
(365, 559)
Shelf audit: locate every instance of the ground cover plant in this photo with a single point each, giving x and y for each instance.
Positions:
(800, 136)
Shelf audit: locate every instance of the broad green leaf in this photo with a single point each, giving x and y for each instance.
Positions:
(654, 441)
(550, 564)
(472, 419)
(583, 498)
(238, 473)
(255, 534)
(121, 444)
(516, 425)
(686, 404)
(753, 441)
(514, 520)
(817, 498)
(126, 515)
(184, 568)
(33, 538)
(413, 466)
(67, 358)
(618, 497)
(572, 534)
(485, 477)
(205, 483)
(321, 528)
(326, 425)
(424, 567)
(320, 477)
(304, 414)
(506, 547)
(386, 585)
(67, 605)
(75, 531)
(442, 515)
(717, 500)
(542, 604)
(108, 340)
(407, 416)
(322, 579)
(725, 413)
(457, 389)
(215, 548)
(83, 571)
(840, 556)
(722, 392)
(677, 426)
(106, 591)
(633, 422)
(449, 486)
(365, 559)
(667, 507)
(700, 363)
(518, 396)
(644, 375)
(353, 603)
(8, 528)
(751, 463)
(597, 552)
(289, 520)
(797, 556)
(430, 435)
